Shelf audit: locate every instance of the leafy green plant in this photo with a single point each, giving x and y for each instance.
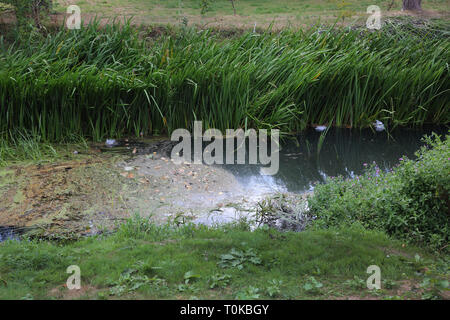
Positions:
(129, 282)
(410, 202)
(436, 280)
(274, 288)
(219, 281)
(190, 276)
(388, 284)
(132, 279)
(238, 259)
(28, 296)
(356, 283)
(312, 285)
(249, 293)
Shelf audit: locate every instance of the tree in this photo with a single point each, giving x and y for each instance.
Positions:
(412, 5)
(234, 8)
(25, 9)
(205, 6)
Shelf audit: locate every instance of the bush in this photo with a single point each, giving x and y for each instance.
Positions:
(409, 202)
(25, 9)
(4, 7)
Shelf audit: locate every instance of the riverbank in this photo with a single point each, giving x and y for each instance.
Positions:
(145, 261)
(139, 226)
(131, 223)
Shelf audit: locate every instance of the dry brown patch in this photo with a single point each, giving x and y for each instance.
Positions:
(426, 14)
(62, 293)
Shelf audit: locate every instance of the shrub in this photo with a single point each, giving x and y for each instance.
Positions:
(25, 9)
(4, 7)
(409, 202)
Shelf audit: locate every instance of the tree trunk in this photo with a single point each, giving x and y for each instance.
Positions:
(391, 5)
(234, 8)
(412, 5)
(36, 12)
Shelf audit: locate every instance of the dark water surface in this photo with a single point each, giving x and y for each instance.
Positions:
(306, 160)
(9, 233)
(343, 152)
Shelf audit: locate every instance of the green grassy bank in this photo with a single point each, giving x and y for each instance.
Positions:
(283, 12)
(142, 261)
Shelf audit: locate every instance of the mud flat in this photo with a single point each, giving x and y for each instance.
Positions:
(193, 191)
(97, 191)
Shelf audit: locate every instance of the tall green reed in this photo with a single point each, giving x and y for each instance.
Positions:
(111, 82)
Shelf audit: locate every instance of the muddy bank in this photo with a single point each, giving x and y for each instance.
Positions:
(94, 192)
(61, 200)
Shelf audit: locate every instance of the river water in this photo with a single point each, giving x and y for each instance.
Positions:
(9, 233)
(343, 152)
(305, 159)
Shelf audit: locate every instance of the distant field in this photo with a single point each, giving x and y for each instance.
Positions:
(248, 12)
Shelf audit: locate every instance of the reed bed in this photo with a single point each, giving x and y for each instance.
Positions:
(112, 81)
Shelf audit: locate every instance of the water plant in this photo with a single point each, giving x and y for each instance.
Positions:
(111, 81)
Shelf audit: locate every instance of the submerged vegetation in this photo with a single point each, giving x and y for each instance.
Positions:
(111, 81)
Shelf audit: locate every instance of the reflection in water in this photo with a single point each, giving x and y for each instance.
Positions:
(343, 152)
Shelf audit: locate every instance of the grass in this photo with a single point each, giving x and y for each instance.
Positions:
(108, 83)
(143, 261)
(24, 147)
(220, 12)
